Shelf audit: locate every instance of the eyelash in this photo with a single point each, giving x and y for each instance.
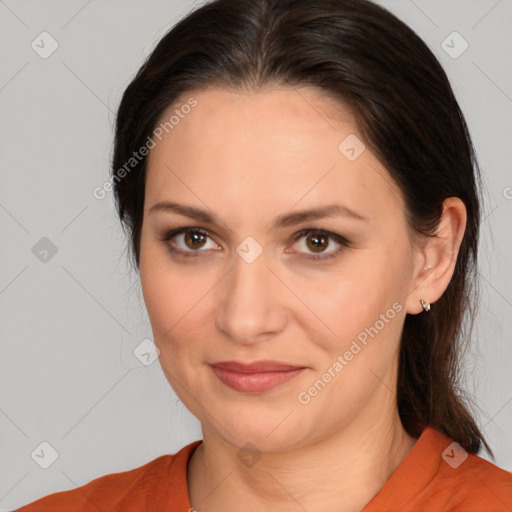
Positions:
(343, 242)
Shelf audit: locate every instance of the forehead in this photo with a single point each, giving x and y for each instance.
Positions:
(272, 148)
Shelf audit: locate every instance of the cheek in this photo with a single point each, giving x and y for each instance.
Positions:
(177, 302)
(347, 301)
(364, 307)
(163, 293)
(168, 299)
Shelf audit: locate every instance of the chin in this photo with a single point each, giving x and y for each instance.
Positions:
(267, 429)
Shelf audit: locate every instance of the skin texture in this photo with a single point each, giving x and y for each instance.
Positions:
(248, 157)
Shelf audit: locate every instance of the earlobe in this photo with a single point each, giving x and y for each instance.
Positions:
(438, 257)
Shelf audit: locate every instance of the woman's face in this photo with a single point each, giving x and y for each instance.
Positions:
(248, 288)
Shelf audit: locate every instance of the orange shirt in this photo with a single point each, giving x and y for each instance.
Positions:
(436, 476)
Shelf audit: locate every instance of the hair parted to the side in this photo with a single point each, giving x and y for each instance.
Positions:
(371, 62)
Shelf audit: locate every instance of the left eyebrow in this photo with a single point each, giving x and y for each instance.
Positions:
(332, 210)
(282, 221)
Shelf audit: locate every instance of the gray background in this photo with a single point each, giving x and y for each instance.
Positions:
(70, 321)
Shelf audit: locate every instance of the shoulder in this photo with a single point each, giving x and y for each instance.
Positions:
(128, 490)
(465, 482)
(476, 484)
(438, 475)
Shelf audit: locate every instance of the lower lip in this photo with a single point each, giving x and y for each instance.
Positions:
(254, 382)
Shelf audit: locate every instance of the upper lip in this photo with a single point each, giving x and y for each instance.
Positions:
(256, 367)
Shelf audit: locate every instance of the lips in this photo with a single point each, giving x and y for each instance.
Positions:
(257, 367)
(255, 377)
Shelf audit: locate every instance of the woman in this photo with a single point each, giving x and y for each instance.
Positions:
(302, 201)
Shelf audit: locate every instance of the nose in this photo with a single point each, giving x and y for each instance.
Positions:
(251, 307)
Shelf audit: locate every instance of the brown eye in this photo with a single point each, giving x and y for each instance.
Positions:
(313, 244)
(317, 242)
(194, 239)
(188, 242)
(193, 242)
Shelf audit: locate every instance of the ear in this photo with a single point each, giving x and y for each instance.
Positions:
(435, 260)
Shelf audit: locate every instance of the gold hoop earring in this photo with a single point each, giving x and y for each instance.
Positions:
(425, 305)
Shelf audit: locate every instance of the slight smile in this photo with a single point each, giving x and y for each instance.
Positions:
(255, 377)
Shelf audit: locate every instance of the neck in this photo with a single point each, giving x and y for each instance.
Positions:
(341, 473)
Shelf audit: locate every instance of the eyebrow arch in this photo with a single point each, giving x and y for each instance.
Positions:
(281, 221)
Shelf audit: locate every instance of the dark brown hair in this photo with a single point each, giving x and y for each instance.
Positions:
(367, 59)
